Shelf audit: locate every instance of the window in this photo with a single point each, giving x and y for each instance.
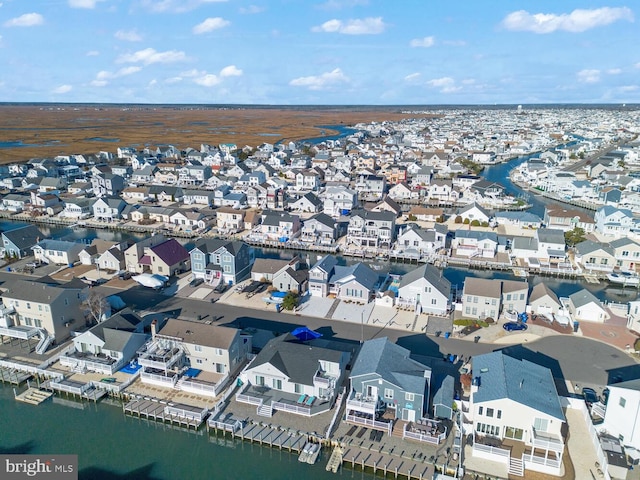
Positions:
(218, 351)
(434, 301)
(489, 412)
(515, 433)
(199, 361)
(499, 414)
(260, 380)
(197, 348)
(409, 397)
(508, 296)
(219, 367)
(493, 302)
(28, 306)
(388, 393)
(480, 409)
(622, 402)
(522, 296)
(540, 424)
(297, 388)
(277, 384)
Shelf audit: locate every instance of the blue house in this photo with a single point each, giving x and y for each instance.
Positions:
(385, 379)
(218, 261)
(17, 243)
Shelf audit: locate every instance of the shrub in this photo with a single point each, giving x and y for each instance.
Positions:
(485, 224)
(458, 219)
(466, 221)
(475, 223)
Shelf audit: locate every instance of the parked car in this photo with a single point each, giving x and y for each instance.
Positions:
(514, 326)
(124, 275)
(590, 395)
(196, 281)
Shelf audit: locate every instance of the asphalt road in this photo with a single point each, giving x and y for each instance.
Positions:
(576, 359)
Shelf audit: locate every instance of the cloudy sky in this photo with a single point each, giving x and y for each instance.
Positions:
(378, 52)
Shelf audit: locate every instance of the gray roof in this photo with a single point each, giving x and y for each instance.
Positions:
(38, 291)
(431, 274)
(393, 363)
(326, 263)
(589, 246)
(56, 245)
(525, 217)
(483, 287)
(550, 235)
(525, 243)
(369, 215)
(622, 242)
(477, 235)
(522, 381)
(583, 297)
(541, 290)
(444, 388)
(297, 360)
(24, 237)
(362, 273)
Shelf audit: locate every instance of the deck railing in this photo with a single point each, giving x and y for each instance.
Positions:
(251, 400)
(547, 462)
(288, 407)
(501, 452)
(369, 422)
(161, 380)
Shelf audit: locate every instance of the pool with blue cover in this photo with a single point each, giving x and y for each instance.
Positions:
(131, 368)
(192, 372)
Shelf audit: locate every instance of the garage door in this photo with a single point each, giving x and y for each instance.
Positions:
(546, 311)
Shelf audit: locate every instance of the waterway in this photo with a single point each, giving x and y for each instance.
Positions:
(112, 446)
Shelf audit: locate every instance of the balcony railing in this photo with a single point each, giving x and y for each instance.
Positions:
(370, 422)
(547, 442)
(106, 368)
(323, 381)
(160, 358)
(162, 380)
(295, 409)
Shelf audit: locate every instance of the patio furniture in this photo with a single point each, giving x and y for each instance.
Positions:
(310, 401)
(302, 399)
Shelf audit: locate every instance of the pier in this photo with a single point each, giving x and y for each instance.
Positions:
(167, 412)
(33, 396)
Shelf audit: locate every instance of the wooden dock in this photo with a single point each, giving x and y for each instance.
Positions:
(393, 465)
(15, 377)
(33, 396)
(268, 435)
(154, 409)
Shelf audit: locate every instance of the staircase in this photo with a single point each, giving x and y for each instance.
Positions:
(598, 409)
(265, 410)
(44, 343)
(516, 466)
(398, 429)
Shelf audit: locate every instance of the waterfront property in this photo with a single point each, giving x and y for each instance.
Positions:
(426, 290)
(18, 243)
(293, 376)
(223, 261)
(515, 415)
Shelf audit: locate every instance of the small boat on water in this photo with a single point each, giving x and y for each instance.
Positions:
(624, 278)
(309, 453)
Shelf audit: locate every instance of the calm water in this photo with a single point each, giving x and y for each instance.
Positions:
(113, 446)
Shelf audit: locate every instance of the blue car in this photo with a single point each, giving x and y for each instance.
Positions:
(513, 326)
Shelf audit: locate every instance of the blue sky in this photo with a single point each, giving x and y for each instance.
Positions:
(291, 52)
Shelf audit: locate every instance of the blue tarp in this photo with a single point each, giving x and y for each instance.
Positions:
(304, 333)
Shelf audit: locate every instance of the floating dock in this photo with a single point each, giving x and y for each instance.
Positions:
(33, 396)
(310, 453)
(335, 461)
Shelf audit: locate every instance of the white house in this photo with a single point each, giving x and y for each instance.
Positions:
(426, 290)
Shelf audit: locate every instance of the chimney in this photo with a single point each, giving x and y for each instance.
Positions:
(154, 328)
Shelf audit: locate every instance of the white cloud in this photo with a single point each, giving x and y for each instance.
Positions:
(26, 20)
(589, 76)
(445, 84)
(614, 71)
(578, 20)
(62, 89)
(230, 71)
(92, 53)
(128, 36)
(251, 10)
(176, 6)
(412, 77)
(206, 79)
(104, 76)
(210, 24)
(84, 3)
(321, 82)
(364, 26)
(173, 80)
(150, 55)
(629, 88)
(425, 42)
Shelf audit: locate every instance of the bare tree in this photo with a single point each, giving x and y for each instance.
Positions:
(97, 305)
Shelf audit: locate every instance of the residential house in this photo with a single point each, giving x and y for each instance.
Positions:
(320, 229)
(111, 260)
(79, 188)
(424, 214)
(543, 301)
(107, 346)
(189, 220)
(387, 204)
(514, 295)
(308, 376)
(77, 208)
(515, 401)
(229, 220)
(279, 226)
(371, 187)
(371, 229)
(263, 269)
(58, 252)
(339, 200)
(417, 242)
(518, 219)
(441, 192)
(472, 243)
(107, 185)
(623, 412)
(108, 209)
(355, 283)
(198, 197)
(291, 279)
(564, 219)
(46, 308)
(18, 242)
(135, 252)
(627, 254)
(166, 258)
(136, 194)
(612, 221)
(218, 261)
(307, 180)
(402, 191)
(594, 256)
(385, 378)
(308, 203)
(482, 298)
(584, 306)
(426, 290)
(319, 275)
(166, 193)
(15, 202)
(474, 212)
